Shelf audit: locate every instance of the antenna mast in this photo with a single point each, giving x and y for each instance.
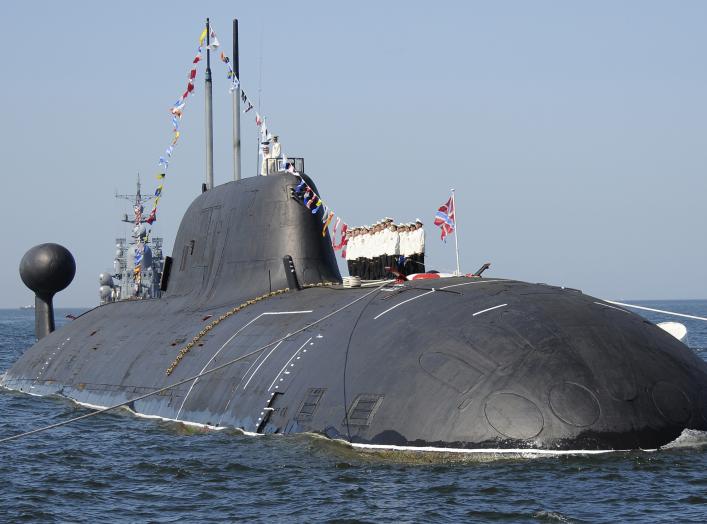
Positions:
(236, 105)
(209, 115)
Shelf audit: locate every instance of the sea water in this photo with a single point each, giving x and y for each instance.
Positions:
(119, 468)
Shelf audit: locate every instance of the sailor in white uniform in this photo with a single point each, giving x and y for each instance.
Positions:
(275, 148)
(265, 150)
(364, 246)
(356, 255)
(419, 246)
(377, 251)
(409, 249)
(402, 246)
(391, 247)
(350, 252)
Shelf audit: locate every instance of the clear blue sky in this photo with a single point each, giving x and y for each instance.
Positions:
(573, 132)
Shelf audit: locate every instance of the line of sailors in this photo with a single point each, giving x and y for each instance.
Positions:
(370, 250)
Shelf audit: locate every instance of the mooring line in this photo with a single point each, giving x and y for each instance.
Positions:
(184, 381)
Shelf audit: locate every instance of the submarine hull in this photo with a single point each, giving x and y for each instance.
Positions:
(464, 363)
(550, 369)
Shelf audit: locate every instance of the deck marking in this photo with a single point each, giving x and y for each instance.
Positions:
(226, 343)
(46, 363)
(401, 303)
(488, 309)
(476, 282)
(612, 307)
(285, 366)
(261, 363)
(433, 290)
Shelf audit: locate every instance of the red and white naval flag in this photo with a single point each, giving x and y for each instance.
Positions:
(445, 218)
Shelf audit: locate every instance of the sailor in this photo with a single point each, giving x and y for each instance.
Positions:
(419, 245)
(363, 253)
(370, 251)
(382, 239)
(406, 249)
(350, 252)
(402, 247)
(377, 251)
(391, 247)
(265, 149)
(373, 252)
(275, 147)
(370, 248)
(358, 253)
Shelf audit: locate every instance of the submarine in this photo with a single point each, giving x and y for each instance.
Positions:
(255, 329)
(465, 363)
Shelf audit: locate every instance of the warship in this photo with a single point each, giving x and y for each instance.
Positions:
(138, 264)
(256, 330)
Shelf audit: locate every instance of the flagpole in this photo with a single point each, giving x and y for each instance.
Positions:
(208, 97)
(456, 227)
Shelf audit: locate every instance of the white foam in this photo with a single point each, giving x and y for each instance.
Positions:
(689, 438)
(525, 452)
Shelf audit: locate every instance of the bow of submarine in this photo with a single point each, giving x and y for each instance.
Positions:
(509, 364)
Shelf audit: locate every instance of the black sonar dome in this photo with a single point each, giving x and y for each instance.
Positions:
(47, 268)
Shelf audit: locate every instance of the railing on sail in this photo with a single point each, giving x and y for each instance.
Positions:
(277, 166)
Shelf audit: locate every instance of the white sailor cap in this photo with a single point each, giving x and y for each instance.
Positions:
(418, 220)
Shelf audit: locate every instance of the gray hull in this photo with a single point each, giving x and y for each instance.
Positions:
(453, 363)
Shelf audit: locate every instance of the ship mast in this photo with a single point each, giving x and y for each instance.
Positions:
(209, 115)
(137, 200)
(236, 106)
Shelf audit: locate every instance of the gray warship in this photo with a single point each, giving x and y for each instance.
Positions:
(255, 330)
(138, 263)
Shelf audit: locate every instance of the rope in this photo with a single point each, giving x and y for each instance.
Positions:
(657, 310)
(195, 377)
(182, 352)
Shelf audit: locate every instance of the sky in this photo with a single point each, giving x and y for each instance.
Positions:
(572, 132)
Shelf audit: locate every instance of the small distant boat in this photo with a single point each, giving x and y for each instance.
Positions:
(28, 306)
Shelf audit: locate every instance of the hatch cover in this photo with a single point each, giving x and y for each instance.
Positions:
(363, 409)
(310, 404)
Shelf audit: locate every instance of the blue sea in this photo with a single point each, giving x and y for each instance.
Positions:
(119, 468)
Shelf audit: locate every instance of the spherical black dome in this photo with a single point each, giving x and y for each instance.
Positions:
(47, 268)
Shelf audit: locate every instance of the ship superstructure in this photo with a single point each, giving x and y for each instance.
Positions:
(139, 261)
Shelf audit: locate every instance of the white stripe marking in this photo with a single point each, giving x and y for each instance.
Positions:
(283, 367)
(475, 282)
(612, 307)
(401, 303)
(226, 343)
(488, 309)
(261, 363)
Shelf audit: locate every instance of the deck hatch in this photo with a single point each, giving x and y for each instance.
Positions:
(363, 409)
(310, 404)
